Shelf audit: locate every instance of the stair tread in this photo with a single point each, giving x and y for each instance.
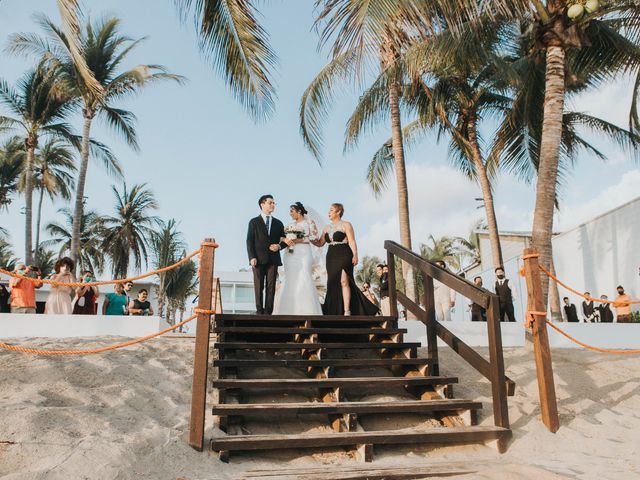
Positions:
(301, 318)
(326, 330)
(313, 346)
(329, 439)
(347, 407)
(307, 382)
(328, 362)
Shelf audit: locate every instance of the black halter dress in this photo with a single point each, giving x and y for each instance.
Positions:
(340, 259)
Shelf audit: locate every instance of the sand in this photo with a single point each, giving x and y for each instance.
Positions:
(125, 414)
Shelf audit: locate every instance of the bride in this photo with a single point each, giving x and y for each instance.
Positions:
(298, 294)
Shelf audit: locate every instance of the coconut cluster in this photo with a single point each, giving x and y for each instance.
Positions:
(579, 7)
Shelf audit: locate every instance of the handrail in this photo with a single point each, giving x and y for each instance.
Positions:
(493, 369)
(470, 290)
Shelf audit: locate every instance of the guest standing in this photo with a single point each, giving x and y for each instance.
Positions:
(505, 296)
(115, 303)
(141, 305)
(23, 292)
(86, 296)
(343, 296)
(623, 307)
(127, 291)
(383, 289)
(604, 309)
(59, 299)
(445, 297)
(478, 314)
(570, 310)
(366, 289)
(4, 299)
(588, 310)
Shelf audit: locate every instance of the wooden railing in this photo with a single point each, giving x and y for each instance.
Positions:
(492, 369)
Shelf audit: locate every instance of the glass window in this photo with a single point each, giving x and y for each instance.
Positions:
(244, 294)
(227, 294)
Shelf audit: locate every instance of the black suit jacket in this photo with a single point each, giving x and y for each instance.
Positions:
(258, 241)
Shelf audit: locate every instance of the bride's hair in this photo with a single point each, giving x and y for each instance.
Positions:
(298, 207)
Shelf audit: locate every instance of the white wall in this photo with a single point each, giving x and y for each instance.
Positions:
(60, 326)
(602, 254)
(604, 335)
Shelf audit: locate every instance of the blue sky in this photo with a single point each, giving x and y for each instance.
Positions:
(207, 161)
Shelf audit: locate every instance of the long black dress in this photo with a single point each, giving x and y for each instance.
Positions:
(339, 259)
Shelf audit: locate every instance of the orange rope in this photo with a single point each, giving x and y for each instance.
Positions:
(612, 302)
(530, 255)
(17, 348)
(111, 282)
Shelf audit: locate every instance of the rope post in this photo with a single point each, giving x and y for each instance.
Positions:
(201, 353)
(542, 352)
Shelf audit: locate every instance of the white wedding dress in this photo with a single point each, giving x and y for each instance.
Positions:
(297, 294)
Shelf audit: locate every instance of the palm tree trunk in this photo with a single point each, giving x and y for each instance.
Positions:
(401, 180)
(554, 296)
(31, 143)
(82, 178)
(542, 228)
(487, 194)
(38, 220)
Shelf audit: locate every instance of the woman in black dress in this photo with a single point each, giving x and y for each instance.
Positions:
(343, 296)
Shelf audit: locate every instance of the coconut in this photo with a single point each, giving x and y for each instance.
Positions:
(591, 6)
(575, 11)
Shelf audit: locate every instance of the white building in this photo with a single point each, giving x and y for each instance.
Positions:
(237, 291)
(593, 257)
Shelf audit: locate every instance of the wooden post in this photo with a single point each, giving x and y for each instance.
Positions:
(496, 360)
(393, 295)
(430, 322)
(544, 368)
(201, 353)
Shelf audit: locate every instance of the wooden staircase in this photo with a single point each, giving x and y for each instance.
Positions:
(336, 362)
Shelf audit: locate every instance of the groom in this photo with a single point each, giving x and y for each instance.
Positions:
(263, 246)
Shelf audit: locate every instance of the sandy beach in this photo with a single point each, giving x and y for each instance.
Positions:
(124, 415)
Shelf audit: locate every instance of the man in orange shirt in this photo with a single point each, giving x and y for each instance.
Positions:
(623, 308)
(23, 292)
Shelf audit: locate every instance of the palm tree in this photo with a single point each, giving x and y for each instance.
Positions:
(54, 175)
(367, 271)
(129, 232)
(166, 247)
(45, 260)
(103, 50)
(39, 107)
(7, 257)
(91, 254)
(181, 284)
(12, 155)
(443, 249)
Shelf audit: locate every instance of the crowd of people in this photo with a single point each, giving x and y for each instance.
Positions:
(601, 312)
(65, 299)
(445, 300)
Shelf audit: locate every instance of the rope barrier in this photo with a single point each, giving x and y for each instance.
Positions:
(567, 287)
(530, 319)
(112, 282)
(18, 348)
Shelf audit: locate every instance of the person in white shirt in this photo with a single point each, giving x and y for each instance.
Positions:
(445, 298)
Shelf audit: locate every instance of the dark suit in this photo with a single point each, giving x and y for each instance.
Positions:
(503, 290)
(265, 273)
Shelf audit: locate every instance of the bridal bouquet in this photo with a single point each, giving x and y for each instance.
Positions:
(293, 232)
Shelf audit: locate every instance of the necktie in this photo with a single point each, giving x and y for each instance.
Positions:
(269, 224)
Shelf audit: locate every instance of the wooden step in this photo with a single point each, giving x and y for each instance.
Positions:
(341, 320)
(448, 435)
(302, 330)
(313, 346)
(329, 362)
(319, 408)
(287, 383)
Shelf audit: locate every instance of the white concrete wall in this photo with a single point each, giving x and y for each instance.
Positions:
(604, 335)
(602, 254)
(60, 326)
